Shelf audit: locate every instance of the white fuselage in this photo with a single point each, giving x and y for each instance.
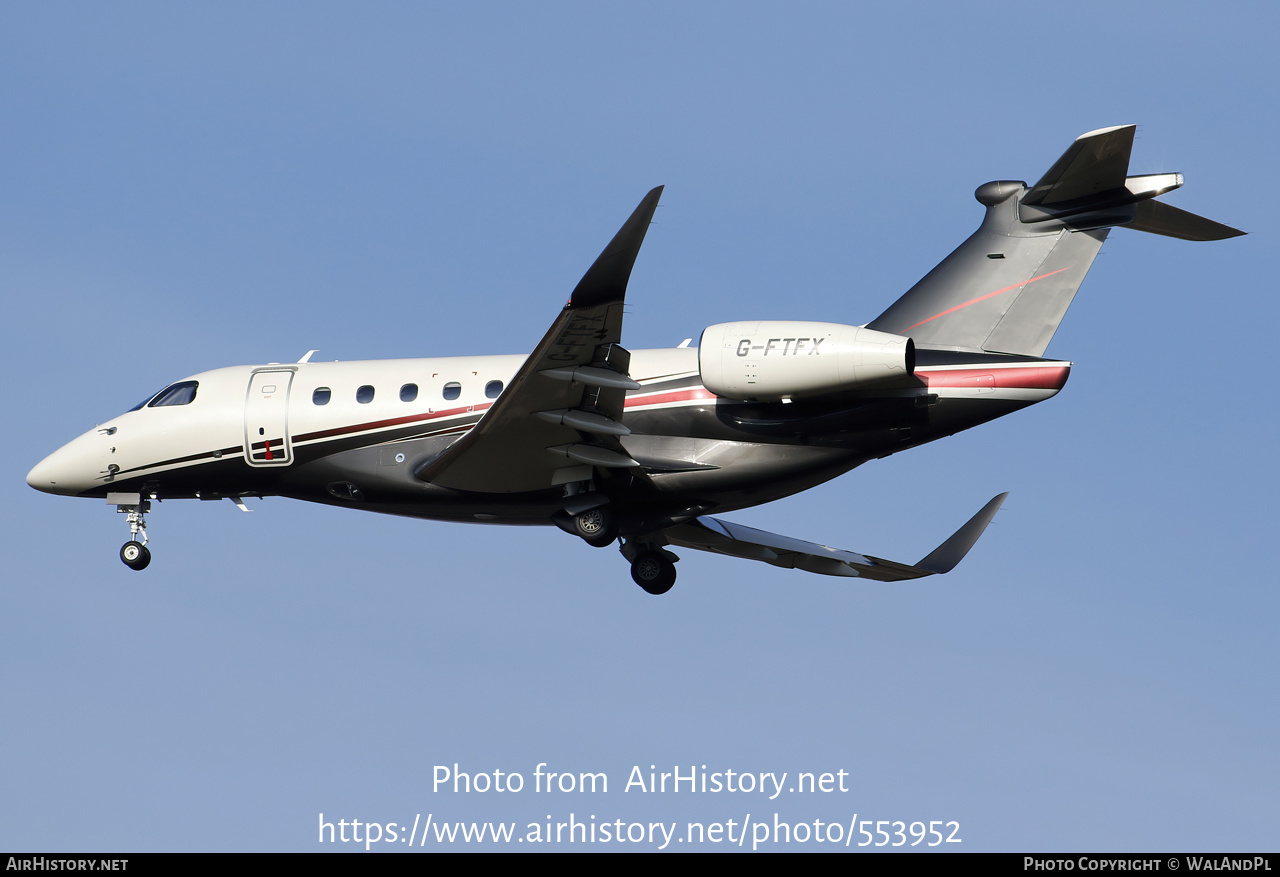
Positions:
(237, 410)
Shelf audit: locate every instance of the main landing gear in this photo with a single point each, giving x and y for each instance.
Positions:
(652, 566)
(598, 527)
(588, 515)
(653, 572)
(133, 553)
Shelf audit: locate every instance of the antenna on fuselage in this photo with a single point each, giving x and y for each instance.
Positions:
(306, 357)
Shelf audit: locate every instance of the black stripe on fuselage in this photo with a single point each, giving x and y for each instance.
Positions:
(927, 357)
(725, 426)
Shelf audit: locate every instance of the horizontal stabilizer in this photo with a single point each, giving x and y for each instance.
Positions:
(1159, 218)
(1096, 162)
(735, 540)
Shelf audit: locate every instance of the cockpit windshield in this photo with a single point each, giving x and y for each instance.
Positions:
(180, 393)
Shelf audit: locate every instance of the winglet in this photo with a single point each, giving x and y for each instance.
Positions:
(606, 280)
(944, 558)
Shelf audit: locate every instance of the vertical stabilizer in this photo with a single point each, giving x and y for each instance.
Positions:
(1007, 288)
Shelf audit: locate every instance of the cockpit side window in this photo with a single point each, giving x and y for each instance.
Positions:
(143, 403)
(182, 393)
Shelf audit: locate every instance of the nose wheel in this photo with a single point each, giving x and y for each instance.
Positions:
(134, 553)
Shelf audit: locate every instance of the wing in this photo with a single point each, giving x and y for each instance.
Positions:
(560, 416)
(735, 540)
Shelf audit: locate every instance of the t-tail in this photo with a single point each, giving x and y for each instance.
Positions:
(1009, 285)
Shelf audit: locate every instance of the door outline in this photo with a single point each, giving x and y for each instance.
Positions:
(266, 417)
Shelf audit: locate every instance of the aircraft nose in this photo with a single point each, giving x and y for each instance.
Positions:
(44, 475)
(54, 475)
(68, 471)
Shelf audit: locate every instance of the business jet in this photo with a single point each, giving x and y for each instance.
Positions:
(641, 447)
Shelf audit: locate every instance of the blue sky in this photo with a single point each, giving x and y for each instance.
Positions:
(188, 187)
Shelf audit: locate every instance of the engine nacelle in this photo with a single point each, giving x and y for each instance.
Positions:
(770, 361)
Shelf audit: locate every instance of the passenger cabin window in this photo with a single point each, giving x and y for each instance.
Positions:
(493, 389)
(364, 395)
(175, 394)
(452, 390)
(321, 396)
(408, 392)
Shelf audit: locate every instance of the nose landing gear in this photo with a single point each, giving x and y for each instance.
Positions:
(134, 553)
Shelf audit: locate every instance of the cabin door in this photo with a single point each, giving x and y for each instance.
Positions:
(266, 418)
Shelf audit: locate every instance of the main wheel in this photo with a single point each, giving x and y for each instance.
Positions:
(653, 572)
(597, 527)
(135, 555)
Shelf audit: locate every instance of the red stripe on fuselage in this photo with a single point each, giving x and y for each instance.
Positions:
(674, 396)
(394, 421)
(655, 399)
(1031, 377)
(631, 402)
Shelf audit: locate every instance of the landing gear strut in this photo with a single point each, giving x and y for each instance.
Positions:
(133, 553)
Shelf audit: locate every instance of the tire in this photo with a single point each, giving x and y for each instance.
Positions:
(653, 572)
(597, 527)
(135, 555)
